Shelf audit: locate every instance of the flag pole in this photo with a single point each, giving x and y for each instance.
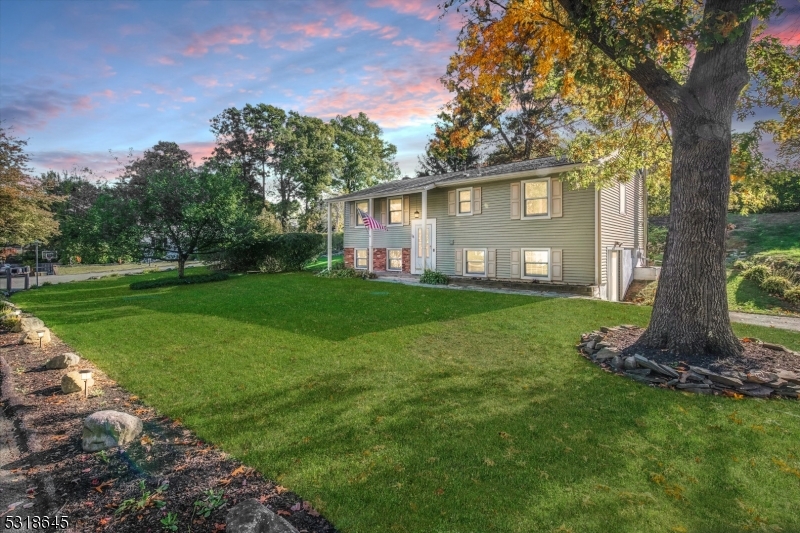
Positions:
(370, 237)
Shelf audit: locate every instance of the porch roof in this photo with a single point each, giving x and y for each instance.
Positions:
(532, 167)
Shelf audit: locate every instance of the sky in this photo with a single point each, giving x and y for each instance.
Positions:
(85, 81)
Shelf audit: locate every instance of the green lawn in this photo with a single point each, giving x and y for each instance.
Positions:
(322, 261)
(408, 409)
(747, 297)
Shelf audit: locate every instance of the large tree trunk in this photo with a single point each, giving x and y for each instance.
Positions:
(181, 265)
(690, 314)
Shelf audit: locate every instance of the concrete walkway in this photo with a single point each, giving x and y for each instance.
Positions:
(772, 321)
(18, 283)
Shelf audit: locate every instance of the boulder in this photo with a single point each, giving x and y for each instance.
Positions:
(63, 361)
(252, 517)
(28, 323)
(32, 337)
(616, 362)
(630, 363)
(72, 382)
(107, 429)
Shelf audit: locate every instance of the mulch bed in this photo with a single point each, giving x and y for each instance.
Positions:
(167, 461)
(755, 355)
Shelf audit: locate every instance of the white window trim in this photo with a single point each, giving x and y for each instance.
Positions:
(355, 259)
(389, 263)
(389, 211)
(622, 198)
(485, 262)
(549, 214)
(549, 263)
(458, 202)
(355, 207)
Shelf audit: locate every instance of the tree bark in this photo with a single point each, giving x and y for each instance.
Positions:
(181, 265)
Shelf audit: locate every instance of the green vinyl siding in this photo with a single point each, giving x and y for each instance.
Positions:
(627, 228)
(396, 237)
(494, 228)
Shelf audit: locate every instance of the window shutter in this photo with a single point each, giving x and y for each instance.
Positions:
(491, 265)
(515, 203)
(556, 264)
(383, 211)
(459, 261)
(515, 260)
(352, 214)
(557, 198)
(406, 210)
(451, 203)
(476, 201)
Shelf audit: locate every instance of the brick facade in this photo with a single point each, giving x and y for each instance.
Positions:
(348, 257)
(379, 259)
(407, 260)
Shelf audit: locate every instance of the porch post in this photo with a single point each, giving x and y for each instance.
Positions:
(424, 229)
(369, 249)
(330, 239)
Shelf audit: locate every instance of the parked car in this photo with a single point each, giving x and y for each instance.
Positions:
(4, 268)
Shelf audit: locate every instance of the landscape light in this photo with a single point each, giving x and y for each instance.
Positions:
(41, 334)
(86, 375)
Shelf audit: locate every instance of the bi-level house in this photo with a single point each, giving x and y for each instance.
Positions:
(517, 222)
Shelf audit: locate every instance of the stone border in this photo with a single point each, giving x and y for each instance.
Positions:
(699, 380)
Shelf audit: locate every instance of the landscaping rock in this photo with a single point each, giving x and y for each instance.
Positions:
(606, 353)
(725, 380)
(700, 370)
(777, 384)
(758, 392)
(63, 361)
(776, 347)
(640, 371)
(252, 517)
(760, 376)
(692, 386)
(72, 382)
(655, 367)
(590, 346)
(687, 376)
(630, 363)
(28, 323)
(107, 429)
(794, 377)
(32, 337)
(616, 362)
(671, 372)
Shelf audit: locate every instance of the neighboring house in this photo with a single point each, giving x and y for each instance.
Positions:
(517, 222)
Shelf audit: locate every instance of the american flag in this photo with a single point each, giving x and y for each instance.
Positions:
(370, 222)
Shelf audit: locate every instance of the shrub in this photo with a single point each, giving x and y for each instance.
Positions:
(274, 253)
(434, 277)
(741, 264)
(188, 280)
(757, 274)
(340, 271)
(793, 295)
(656, 241)
(776, 285)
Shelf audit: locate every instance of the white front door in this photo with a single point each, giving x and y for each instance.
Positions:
(421, 248)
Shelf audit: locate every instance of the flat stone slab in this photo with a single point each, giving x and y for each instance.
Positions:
(252, 517)
(606, 353)
(788, 375)
(725, 380)
(759, 392)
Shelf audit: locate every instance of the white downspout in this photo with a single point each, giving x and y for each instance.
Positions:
(424, 230)
(330, 239)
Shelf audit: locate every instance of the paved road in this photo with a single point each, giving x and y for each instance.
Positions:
(773, 321)
(18, 283)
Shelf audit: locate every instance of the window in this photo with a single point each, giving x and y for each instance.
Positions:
(464, 200)
(536, 263)
(394, 259)
(536, 198)
(361, 255)
(364, 206)
(475, 262)
(396, 210)
(621, 198)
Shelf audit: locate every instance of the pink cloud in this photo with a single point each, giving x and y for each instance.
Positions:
(206, 81)
(176, 94)
(388, 32)
(424, 9)
(219, 39)
(351, 20)
(435, 47)
(315, 30)
(164, 60)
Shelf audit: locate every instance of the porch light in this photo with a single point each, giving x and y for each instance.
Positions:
(86, 375)
(416, 214)
(40, 334)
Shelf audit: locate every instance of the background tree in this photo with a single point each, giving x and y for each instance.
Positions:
(192, 211)
(367, 158)
(162, 157)
(683, 65)
(248, 137)
(25, 214)
(443, 155)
